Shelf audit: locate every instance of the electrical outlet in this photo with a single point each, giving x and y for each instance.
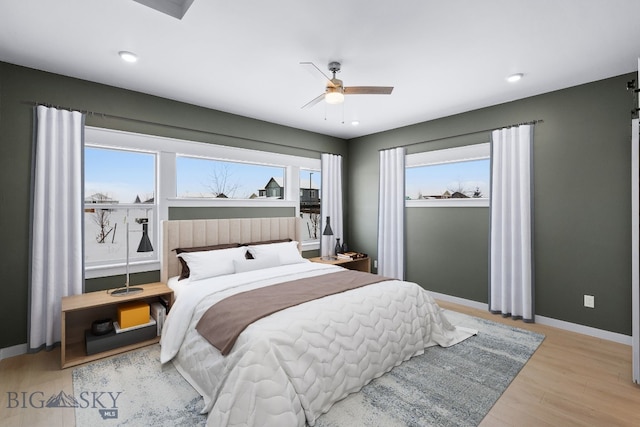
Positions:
(375, 263)
(590, 301)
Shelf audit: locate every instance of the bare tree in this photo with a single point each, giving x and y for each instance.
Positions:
(220, 181)
(313, 225)
(101, 217)
(456, 187)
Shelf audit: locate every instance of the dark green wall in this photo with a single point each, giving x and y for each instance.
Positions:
(137, 113)
(448, 250)
(582, 224)
(230, 212)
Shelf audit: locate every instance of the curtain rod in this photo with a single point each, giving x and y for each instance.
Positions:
(531, 122)
(148, 122)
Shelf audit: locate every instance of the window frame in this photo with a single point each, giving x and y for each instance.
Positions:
(461, 154)
(108, 268)
(166, 150)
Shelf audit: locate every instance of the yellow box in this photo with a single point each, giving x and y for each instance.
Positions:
(133, 313)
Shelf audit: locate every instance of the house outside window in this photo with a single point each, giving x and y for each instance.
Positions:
(273, 189)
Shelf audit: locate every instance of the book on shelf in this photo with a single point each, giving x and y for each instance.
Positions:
(351, 255)
(165, 302)
(118, 329)
(158, 312)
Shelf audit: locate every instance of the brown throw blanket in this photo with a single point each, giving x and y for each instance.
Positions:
(224, 321)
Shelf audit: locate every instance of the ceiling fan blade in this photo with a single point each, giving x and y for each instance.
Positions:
(313, 102)
(368, 90)
(317, 73)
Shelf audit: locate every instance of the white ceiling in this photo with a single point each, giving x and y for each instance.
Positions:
(242, 56)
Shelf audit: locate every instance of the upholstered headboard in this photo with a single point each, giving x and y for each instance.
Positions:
(203, 232)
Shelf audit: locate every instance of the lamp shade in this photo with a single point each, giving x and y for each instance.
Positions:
(145, 243)
(334, 96)
(327, 228)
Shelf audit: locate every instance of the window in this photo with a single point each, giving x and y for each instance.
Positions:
(310, 204)
(209, 178)
(120, 193)
(451, 177)
(143, 176)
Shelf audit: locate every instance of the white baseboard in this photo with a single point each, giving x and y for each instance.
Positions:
(15, 350)
(548, 321)
(585, 330)
(461, 301)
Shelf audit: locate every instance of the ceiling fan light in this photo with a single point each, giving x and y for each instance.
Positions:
(334, 97)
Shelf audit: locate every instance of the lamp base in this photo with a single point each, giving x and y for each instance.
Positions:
(122, 292)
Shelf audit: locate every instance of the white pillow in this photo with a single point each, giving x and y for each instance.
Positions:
(287, 251)
(266, 261)
(207, 264)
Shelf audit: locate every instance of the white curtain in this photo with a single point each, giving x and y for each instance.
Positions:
(635, 246)
(331, 202)
(511, 282)
(391, 213)
(56, 231)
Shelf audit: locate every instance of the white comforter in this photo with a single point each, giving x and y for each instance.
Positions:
(287, 369)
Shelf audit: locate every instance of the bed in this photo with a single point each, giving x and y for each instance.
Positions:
(291, 366)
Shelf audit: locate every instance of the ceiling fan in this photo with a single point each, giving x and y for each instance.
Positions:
(334, 92)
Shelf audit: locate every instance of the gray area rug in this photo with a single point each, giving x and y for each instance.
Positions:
(443, 387)
(150, 394)
(455, 386)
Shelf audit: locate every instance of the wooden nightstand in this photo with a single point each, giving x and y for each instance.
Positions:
(79, 311)
(360, 264)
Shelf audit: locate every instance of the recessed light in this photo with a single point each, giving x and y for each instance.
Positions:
(128, 56)
(514, 77)
(355, 123)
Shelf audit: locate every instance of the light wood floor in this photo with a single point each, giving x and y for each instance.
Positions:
(571, 380)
